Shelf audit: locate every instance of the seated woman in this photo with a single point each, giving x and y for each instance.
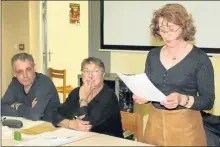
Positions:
(93, 106)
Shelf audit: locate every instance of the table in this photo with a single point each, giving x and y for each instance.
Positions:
(105, 140)
(12, 142)
(7, 133)
(86, 139)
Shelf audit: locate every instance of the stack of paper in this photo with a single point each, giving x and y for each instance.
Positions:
(142, 87)
(44, 127)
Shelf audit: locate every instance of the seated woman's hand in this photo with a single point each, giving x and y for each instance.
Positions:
(79, 125)
(172, 100)
(139, 100)
(86, 89)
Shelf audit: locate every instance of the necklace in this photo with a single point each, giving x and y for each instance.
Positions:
(173, 56)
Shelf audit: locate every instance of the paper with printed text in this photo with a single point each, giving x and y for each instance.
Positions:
(142, 87)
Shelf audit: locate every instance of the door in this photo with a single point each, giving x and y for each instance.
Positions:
(65, 45)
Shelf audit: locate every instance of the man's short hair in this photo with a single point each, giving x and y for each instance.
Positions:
(22, 57)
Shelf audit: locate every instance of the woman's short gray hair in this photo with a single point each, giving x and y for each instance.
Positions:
(93, 60)
(23, 57)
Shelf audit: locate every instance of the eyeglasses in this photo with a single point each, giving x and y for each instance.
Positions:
(170, 31)
(92, 72)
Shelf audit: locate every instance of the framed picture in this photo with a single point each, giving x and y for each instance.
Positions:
(74, 13)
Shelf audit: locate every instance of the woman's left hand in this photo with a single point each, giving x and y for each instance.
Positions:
(86, 89)
(172, 100)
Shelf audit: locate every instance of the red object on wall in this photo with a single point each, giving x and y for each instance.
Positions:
(21, 46)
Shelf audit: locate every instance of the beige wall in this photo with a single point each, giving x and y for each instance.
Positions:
(34, 29)
(15, 30)
(134, 63)
(68, 42)
(216, 61)
(128, 62)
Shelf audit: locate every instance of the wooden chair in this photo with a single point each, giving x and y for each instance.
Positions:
(132, 122)
(60, 74)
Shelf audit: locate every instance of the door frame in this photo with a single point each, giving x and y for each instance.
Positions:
(43, 37)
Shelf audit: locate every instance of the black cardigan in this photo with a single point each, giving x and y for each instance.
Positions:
(103, 112)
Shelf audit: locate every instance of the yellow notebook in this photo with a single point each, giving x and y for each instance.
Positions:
(44, 127)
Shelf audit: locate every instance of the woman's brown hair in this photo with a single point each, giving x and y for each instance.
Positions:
(177, 14)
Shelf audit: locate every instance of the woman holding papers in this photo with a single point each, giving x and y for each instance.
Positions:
(184, 73)
(93, 106)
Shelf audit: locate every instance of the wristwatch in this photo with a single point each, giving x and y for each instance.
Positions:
(82, 100)
(16, 105)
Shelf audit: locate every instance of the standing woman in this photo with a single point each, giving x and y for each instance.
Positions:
(184, 73)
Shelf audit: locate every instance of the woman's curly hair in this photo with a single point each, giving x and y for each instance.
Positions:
(177, 14)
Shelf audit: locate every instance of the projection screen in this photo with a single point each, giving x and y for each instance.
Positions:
(125, 24)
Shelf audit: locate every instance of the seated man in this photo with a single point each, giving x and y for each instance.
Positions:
(30, 94)
(93, 106)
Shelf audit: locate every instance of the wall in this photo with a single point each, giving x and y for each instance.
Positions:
(128, 62)
(215, 62)
(94, 35)
(15, 30)
(68, 42)
(34, 29)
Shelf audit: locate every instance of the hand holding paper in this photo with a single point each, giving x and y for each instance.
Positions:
(142, 87)
(139, 100)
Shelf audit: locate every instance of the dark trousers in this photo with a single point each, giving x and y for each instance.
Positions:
(212, 138)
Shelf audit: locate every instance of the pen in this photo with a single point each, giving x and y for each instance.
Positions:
(68, 137)
(52, 138)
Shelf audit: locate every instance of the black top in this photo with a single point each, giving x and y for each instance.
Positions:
(102, 111)
(42, 88)
(191, 76)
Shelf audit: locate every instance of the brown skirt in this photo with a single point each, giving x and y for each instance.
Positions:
(175, 128)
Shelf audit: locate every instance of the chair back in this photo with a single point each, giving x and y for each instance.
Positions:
(60, 74)
(133, 123)
(56, 73)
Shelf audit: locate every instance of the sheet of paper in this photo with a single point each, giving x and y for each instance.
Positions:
(56, 141)
(7, 133)
(54, 138)
(141, 86)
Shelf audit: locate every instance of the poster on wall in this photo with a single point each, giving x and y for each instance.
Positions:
(74, 13)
